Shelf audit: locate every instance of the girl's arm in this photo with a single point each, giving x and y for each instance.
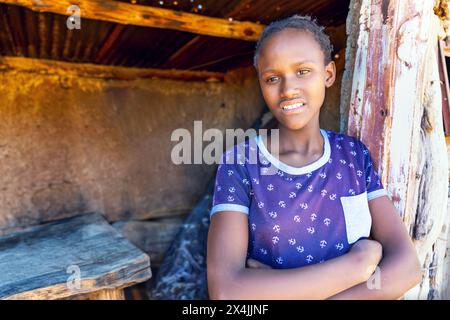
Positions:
(399, 269)
(228, 277)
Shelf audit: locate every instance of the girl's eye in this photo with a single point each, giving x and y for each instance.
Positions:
(271, 79)
(302, 72)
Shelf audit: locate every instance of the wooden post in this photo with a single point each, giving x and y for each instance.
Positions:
(395, 109)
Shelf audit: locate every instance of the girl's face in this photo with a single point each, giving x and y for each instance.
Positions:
(293, 77)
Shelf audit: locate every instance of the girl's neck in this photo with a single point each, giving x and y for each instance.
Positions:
(305, 142)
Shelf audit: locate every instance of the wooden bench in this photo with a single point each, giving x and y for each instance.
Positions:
(77, 258)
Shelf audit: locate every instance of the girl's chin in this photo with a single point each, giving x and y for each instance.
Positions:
(292, 124)
(294, 127)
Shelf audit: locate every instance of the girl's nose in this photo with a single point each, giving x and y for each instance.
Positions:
(290, 88)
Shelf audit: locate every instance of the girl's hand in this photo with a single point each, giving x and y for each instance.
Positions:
(369, 254)
(255, 264)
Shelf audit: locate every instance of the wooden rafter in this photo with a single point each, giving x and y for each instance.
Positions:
(146, 16)
(192, 43)
(88, 70)
(180, 52)
(113, 36)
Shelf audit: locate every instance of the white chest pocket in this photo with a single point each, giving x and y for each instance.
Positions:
(357, 216)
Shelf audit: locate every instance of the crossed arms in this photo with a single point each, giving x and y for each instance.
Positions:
(343, 277)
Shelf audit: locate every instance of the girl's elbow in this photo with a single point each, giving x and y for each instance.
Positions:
(413, 271)
(218, 287)
(220, 292)
(409, 275)
(416, 272)
(214, 294)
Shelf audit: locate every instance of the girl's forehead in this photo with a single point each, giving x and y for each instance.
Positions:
(291, 43)
(292, 38)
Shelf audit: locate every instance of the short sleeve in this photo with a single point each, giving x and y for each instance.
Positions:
(374, 186)
(232, 187)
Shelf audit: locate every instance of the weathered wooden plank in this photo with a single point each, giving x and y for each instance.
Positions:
(394, 97)
(87, 70)
(146, 16)
(44, 262)
(152, 237)
(107, 294)
(432, 219)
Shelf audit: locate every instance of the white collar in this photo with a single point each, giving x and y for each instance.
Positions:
(297, 170)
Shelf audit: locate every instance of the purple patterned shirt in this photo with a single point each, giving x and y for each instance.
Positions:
(299, 215)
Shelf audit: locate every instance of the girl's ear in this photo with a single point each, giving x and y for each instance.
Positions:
(330, 71)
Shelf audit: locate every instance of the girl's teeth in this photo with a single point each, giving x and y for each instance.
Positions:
(293, 106)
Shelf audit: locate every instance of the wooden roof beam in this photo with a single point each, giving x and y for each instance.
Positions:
(87, 70)
(146, 16)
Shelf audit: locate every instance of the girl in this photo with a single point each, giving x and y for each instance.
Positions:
(302, 232)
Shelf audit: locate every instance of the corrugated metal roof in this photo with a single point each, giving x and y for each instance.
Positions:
(45, 35)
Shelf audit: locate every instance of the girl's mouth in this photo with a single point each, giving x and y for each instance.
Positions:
(294, 107)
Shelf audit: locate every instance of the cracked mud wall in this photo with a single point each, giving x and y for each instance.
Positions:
(70, 145)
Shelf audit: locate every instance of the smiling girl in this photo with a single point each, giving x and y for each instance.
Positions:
(303, 233)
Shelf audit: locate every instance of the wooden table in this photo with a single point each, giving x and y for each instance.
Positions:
(77, 258)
